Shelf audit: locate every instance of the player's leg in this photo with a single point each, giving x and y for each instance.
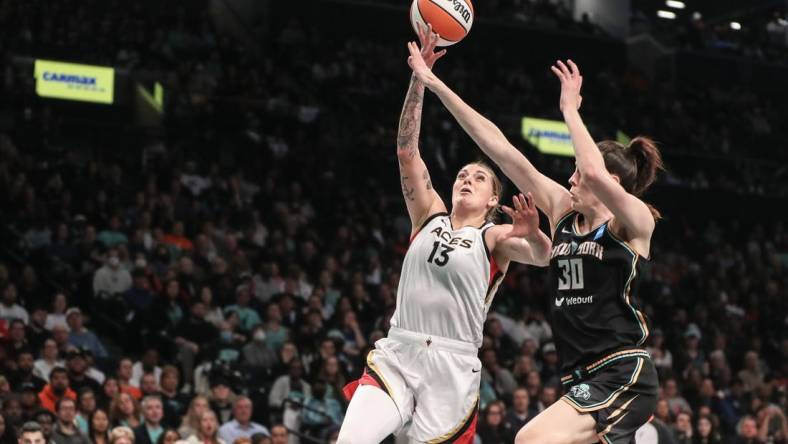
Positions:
(559, 424)
(370, 417)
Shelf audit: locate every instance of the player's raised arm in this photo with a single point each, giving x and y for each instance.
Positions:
(550, 197)
(420, 197)
(522, 241)
(619, 192)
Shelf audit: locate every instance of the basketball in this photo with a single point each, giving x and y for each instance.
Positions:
(450, 19)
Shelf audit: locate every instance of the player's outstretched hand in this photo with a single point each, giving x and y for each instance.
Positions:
(571, 82)
(428, 39)
(421, 60)
(525, 217)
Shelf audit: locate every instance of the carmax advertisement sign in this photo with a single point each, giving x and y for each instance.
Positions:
(548, 136)
(71, 81)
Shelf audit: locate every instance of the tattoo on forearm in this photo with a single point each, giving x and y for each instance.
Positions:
(427, 180)
(410, 119)
(407, 192)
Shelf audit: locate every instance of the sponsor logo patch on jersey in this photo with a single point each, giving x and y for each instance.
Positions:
(581, 391)
(579, 300)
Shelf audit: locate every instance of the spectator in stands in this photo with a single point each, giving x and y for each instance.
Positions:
(24, 371)
(150, 430)
(520, 413)
(30, 433)
(321, 410)
(257, 353)
(148, 364)
(663, 358)
(682, 431)
(148, 385)
(125, 411)
(705, 433)
(98, 427)
(109, 390)
(7, 435)
(121, 435)
(752, 374)
(222, 398)
(279, 434)
(492, 427)
(86, 405)
(174, 402)
(111, 279)
(191, 421)
(124, 373)
(47, 421)
(676, 402)
(139, 296)
(241, 425)
(36, 330)
(191, 332)
(12, 413)
(169, 436)
(497, 376)
(61, 335)
(80, 337)
(16, 342)
(248, 316)
(747, 431)
(57, 389)
(207, 433)
(57, 316)
(331, 374)
(77, 367)
(547, 396)
(49, 360)
(113, 235)
(772, 424)
(66, 431)
(9, 309)
(290, 385)
(213, 313)
(28, 400)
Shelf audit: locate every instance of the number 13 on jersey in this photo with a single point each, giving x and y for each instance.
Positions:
(443, 256)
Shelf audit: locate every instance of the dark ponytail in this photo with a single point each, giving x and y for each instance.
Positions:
(648, 161)
(636, 165)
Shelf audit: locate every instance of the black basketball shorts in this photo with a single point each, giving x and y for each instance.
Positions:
(618, 390)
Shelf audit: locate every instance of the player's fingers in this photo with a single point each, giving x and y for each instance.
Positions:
(413, 49)
(575, 69)
(564, 69)
(508, 211)
(529, 197)
(524, 203)
(440, 54)
(558, 73)
(516, 203)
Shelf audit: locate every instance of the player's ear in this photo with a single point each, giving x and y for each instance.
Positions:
(493, 201)
(616, 178)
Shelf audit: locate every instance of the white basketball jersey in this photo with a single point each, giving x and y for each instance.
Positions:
(447, 283)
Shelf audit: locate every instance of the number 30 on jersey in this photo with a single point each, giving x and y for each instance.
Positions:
(571, 274)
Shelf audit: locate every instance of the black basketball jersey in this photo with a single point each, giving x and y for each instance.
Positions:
(595, 278)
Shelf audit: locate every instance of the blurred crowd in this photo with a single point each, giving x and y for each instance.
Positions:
(221, 282)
